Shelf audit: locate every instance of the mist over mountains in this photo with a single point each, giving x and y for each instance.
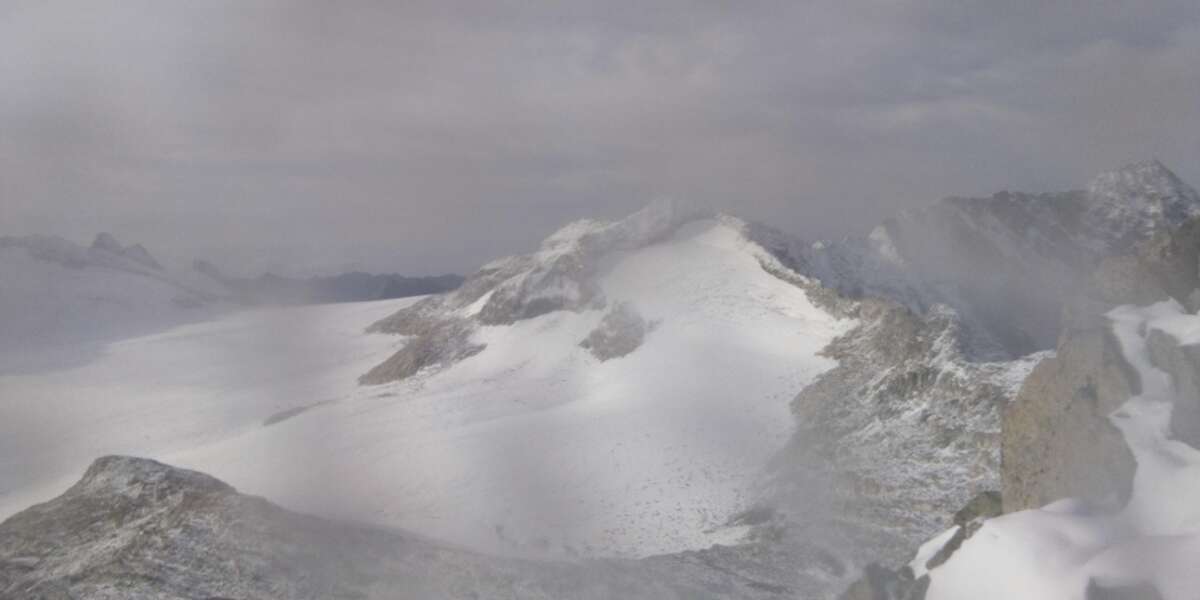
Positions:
(679, 403)
(62, 301)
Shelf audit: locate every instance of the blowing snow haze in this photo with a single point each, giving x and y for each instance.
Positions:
(232, 365)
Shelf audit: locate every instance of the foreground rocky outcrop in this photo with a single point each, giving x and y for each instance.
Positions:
(1058, 439)
(134, 528)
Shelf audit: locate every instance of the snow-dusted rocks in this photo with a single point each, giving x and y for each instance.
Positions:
(1134, 203)
(620, 391)
(1069, 549)
(136, 529)
(1058, 441)
(902, 433)
(1008, 262)
(620, 332)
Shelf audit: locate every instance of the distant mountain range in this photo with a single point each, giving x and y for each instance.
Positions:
(58, 297)
(355, 286)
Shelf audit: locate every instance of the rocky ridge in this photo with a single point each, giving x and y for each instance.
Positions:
(136, 529)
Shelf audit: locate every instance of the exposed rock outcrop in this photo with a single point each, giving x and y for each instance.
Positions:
(1058, 440)
(620, 332)
(561, 275)
(903, 432)
(438, 343)
(135, 529)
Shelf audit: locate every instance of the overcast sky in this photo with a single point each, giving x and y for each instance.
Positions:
(424, 137)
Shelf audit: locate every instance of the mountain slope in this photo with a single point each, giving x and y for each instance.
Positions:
(135, 529)
(659, 384)
(173, 392)
(505, 433)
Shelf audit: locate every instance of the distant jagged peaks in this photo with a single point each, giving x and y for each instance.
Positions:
(1145, 180)
(1008, 261)
(106, 242)
(1138, 200)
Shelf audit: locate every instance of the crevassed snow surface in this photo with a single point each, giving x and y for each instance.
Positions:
(1053, 552)
(532, 446)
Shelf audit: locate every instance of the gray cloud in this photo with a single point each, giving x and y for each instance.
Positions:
(428, 136)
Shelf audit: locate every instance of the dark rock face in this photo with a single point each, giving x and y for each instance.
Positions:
(982, 507)
(620, 332)
(441, 343)
(137, 529)
(968, 519)
(1137, 592)
(880, 583)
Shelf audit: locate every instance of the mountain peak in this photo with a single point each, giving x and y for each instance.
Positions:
(106, 241)
(1138, 200)
(136, 252)
(128, 475)
(1145, 180)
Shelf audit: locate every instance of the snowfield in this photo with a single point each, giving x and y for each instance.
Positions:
(531, 447)
(1054, 552)
(179, 390)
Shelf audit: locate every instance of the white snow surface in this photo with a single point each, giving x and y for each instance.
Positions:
(170, 393)
(1053, 552)
(532, 447)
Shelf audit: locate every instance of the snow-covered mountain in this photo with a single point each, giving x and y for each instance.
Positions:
(643, 388)
(1007, 263)
(617, 393)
